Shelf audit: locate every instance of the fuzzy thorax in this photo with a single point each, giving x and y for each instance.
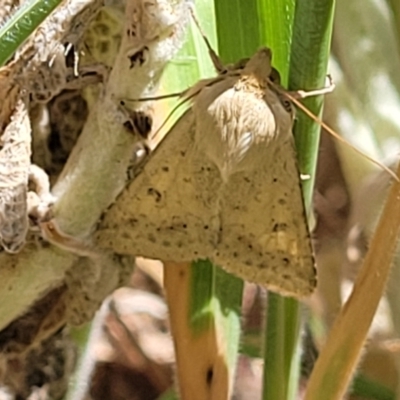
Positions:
(239, 116)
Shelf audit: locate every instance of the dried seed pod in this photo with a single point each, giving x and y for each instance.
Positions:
(14, 174)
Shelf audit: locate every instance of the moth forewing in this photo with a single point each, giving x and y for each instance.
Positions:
(265, 237)
(223, 185)
(171, 205)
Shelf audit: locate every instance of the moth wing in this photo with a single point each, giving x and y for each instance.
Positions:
(169, 211)
(264, 236)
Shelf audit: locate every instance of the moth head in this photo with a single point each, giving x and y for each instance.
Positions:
(260, 64)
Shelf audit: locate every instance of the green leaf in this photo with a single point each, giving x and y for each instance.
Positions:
(18, 28)
(367, 388)
(215, 296)
(300, 53)
(312, 32)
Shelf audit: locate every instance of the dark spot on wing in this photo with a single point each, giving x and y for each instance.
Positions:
(209, 375)
(279, 227)
(286, 104)
(154, 193)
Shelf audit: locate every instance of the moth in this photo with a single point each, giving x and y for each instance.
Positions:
(224, 184)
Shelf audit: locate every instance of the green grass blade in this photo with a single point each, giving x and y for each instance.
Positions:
(312, 32)
(216, 299)
(276, 24)
(309, 54)
(276, 352)
(281, 340)
(366, 388)
(267, 24)
(237, 29)
(252, 30)
(213, 297)
(292, 43)
(169, 395)
(81, 379)
(18, 28)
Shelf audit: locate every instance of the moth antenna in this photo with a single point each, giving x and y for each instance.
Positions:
(164, 97)
(218, 65)
(169, 116)
(319, 121)
(155, 98)
(189, 96)
(186, 95)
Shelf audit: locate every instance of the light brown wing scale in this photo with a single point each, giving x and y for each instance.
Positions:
(170, 215)
(227, 189)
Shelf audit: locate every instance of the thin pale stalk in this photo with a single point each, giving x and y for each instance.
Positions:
(339, 357)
